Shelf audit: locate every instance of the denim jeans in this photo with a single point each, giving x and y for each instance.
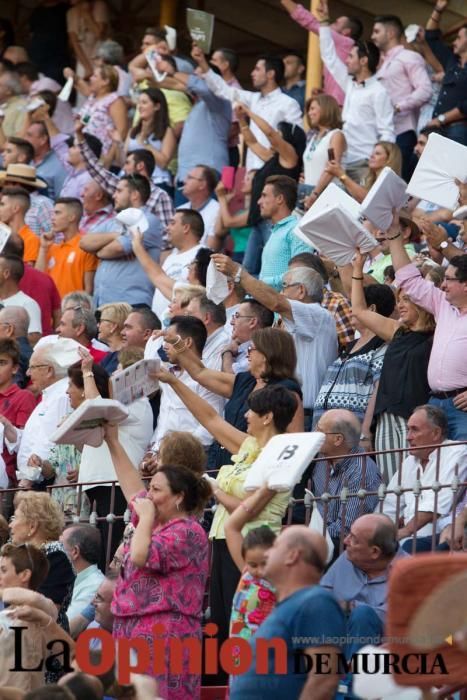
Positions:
(254, 250)
(406, 142)
(456, 132)
(457, 419)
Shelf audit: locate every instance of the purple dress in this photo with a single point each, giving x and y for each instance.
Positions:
(169, 591)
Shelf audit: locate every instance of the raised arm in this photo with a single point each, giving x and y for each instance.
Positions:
(128, 477)
(153, 270)
(287, 155)
(380, 325)
(249, 509)
(221, 383)
(228, 436)
(330, 58)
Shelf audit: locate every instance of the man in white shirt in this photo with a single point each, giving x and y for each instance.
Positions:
(249, 317)
(269, 102)
(48, 373)
(185, 231)
(174, 415)
(199, 187)
(426, 426)
(367, 113)
(83, 544)
(11, 272)
(312, 327)
(213, 317)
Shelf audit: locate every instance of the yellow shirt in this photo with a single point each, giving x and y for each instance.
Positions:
(231, 478)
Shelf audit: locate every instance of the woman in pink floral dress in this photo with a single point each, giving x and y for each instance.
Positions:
(165, 566)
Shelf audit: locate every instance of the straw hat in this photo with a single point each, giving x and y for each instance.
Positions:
(21, 174)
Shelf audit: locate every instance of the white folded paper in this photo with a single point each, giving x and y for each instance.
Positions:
(151, 58)
(85, 425)
(441, 162)
(217, 288)
(333, 226)
(34, 104)
(282, 462)
(411, 32)
(5, 233)
(388, 192)
(461, 213)
(65, 92)
(371, 686)
(133, 218)
(171, 37)
(135, 381)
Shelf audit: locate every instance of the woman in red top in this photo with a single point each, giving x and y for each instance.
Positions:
(16, 405)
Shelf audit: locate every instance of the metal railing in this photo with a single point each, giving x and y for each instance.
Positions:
(458, 487)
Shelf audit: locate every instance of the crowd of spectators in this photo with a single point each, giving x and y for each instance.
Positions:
(152, 533)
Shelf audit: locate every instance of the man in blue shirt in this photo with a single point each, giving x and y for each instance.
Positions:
(276, 203)
(307, 619)
(48, 165)
(120, 275)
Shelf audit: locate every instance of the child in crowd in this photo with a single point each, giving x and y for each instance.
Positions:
(255, 597)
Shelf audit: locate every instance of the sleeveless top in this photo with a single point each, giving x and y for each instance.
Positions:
(315, 156)
(160, 174)
(403, 383)
(100, 123)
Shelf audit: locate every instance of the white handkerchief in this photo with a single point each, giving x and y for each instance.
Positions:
(441, 162)
(133, 218)
(283, 461)
(386, 194)
(34, 104)
(5, 233)
(217, 288)
(65, 92)
(171, 37)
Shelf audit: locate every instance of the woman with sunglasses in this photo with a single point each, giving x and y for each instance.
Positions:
(272, 360)
(270, 411)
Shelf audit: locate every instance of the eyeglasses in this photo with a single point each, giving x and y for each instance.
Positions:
(318, 429)
(451, 279)
(250, 349)
(237, 315)
(286, 285)
(37, 366)
(105, 320)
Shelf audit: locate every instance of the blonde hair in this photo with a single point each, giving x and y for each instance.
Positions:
(129, 356)
(41, 509)
(425, 320)
(110, 74)
(393, 161)
(116, 313)
(187, 292)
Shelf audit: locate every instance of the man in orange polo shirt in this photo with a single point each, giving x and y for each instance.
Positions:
(14, 203)
(71, 268)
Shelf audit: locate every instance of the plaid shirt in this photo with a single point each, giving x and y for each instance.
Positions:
(340, 308)
(159, 202)
(331, 478)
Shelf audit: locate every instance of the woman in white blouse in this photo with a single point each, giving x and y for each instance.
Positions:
(325, 141)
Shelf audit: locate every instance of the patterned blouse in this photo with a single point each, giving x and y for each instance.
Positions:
(253, 601)
(99, 123)
(174, 577)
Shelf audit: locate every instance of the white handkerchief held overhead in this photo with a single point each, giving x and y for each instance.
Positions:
(441, 163)
(65, 92)
(133, 218)
(386, 194)
(217, 288)
(282, 462)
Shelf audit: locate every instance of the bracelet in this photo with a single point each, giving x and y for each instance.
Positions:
(343, 177)
(87, 374)
(357, 278)
(227, 352)
(393, 238)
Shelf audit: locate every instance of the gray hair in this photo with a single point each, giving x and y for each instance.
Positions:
(436, 416)
(217, 311)
(48, 357)
(311, 280)
(86, 318)
(350, 427)
(77, 299)
(12, 82)
(18, 317)
(111, 52)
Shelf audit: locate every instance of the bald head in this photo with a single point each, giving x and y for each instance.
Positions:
(372, 541)
(296, 559)
(15, 318)
(312, 545)
(342, 429)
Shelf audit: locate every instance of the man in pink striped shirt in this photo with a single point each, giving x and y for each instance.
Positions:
(447, 369)
(403, 73)
(345, 32)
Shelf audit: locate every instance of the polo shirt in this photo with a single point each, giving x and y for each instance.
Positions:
(40, 287)
(67, 263)
(16, 405)
(31, 244)
(86, 584)
(281, 246)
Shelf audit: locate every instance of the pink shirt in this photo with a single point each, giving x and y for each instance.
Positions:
(342, 43)
(447, 368)
(403, 73)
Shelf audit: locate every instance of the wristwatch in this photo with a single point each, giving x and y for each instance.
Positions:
(441, 118)
(238, 275)
(443, 245)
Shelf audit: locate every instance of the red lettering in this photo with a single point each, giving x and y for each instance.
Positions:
(185, 652)
(211, 649)
(236, 656)
(82, 650)
(159, 649)
(262, 655)
(143, 658)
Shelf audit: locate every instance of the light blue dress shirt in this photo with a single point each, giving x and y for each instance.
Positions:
(282, 245)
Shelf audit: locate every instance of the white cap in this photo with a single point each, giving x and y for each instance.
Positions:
(64, 351)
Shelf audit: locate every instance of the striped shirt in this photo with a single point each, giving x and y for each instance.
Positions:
(331, 477)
